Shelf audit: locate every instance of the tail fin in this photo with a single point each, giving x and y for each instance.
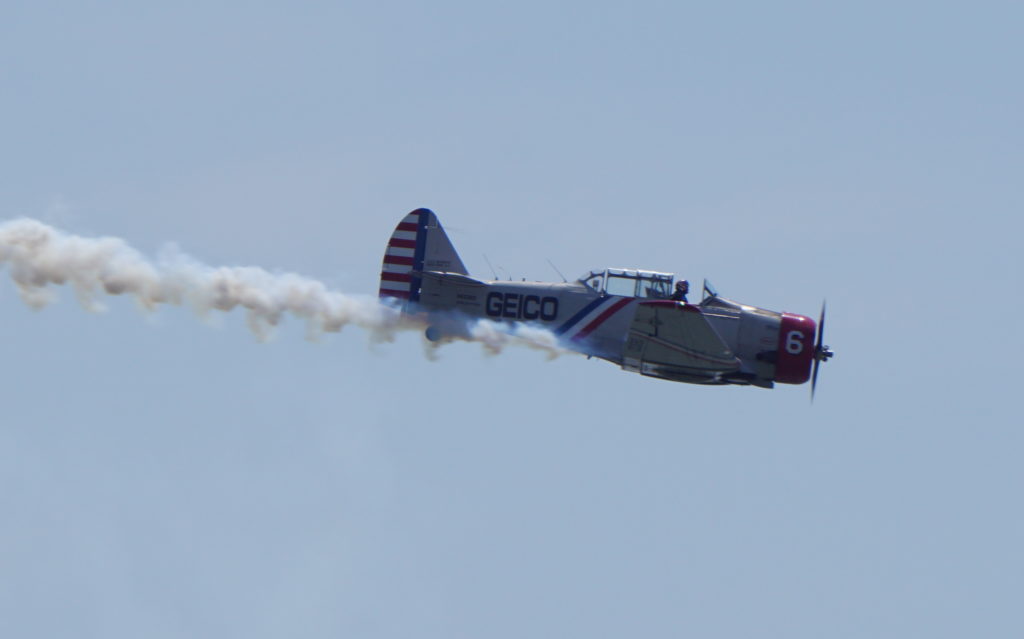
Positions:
(418, 244)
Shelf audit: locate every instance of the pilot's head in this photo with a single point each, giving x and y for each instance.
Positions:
(683, 286)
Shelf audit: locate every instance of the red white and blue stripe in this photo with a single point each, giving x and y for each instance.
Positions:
(591, 317)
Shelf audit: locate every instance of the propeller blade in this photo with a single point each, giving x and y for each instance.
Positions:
(814, 378)
(818, 351)
(821, 327)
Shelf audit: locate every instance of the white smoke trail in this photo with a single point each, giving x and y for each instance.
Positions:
(495, 337)
(39, 256)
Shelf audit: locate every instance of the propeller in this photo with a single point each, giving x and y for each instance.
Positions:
(821, 353)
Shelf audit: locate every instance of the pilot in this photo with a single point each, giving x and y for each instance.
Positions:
(682, 288)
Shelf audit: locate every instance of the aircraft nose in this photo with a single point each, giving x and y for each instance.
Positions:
(795, 348)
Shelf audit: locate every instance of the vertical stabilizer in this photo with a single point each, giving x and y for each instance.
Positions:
(418, 244)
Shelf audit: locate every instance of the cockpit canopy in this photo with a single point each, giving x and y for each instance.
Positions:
(629, 283)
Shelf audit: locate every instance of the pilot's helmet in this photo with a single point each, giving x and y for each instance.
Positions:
(683, 286)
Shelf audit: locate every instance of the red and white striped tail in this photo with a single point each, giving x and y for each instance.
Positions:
(418, 244)
(400, 257)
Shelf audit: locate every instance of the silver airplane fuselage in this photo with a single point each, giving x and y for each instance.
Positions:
(624, 316)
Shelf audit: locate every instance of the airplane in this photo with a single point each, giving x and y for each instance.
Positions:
(623, 315)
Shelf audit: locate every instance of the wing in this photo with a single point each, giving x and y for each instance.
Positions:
(673, 340)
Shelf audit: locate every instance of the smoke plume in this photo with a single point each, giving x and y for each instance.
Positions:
(40, 257)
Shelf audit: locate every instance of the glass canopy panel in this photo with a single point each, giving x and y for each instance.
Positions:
(629, 283)
(656, 288)
(621, 285)
(593, 279)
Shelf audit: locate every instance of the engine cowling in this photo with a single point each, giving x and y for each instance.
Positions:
(795, 349)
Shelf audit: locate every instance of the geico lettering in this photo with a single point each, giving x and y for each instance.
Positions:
(521, 307)
(527, 312)
(549, 309)
(494, 302)
(511, 307)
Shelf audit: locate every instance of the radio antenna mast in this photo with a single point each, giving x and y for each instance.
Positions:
(557, 271)
(493, 272)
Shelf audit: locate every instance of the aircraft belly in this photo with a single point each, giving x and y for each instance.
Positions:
(686, 377)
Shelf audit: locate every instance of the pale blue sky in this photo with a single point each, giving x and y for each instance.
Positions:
(163, 477)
